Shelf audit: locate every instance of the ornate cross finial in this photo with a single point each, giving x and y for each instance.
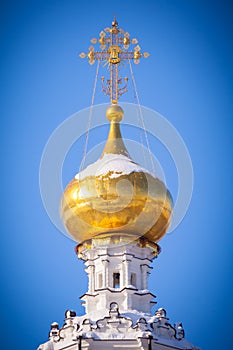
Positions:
(114, 45)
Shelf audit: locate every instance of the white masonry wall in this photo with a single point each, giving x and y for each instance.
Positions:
(131, 264)
(118, 306)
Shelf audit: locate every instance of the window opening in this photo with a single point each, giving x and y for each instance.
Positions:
(116, 280)
(133, 279)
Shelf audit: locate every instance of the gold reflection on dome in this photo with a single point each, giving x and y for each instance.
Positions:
(115, 195)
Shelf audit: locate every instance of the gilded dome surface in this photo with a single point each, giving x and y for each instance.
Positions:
(115, 195)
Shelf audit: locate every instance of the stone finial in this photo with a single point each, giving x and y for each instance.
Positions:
(114, 310)
(54, 334)
(141, 325)
(161, 313)
(70, 314)
(179, 330)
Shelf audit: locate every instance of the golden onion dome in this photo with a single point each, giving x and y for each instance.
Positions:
(116, 196)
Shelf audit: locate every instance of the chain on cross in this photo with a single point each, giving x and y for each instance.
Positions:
(114, 45)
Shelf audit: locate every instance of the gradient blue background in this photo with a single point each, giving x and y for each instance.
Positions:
(188, 79)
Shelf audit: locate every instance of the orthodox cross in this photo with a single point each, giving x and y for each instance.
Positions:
(114, 45)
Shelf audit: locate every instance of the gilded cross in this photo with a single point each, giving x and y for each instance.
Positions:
(114, 45)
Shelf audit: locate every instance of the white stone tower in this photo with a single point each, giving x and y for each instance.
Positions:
(116, 211)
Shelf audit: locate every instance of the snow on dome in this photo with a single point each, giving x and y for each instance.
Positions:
(115, 164)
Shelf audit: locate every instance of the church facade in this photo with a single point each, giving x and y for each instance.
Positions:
(118, 303)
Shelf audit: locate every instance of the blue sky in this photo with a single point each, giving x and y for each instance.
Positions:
(188, 79)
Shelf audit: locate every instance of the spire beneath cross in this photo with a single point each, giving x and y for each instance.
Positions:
(114, 46)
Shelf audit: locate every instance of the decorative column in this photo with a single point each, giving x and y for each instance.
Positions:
(105, 273)
(91, 278)
(126, 281)
(144, 276)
